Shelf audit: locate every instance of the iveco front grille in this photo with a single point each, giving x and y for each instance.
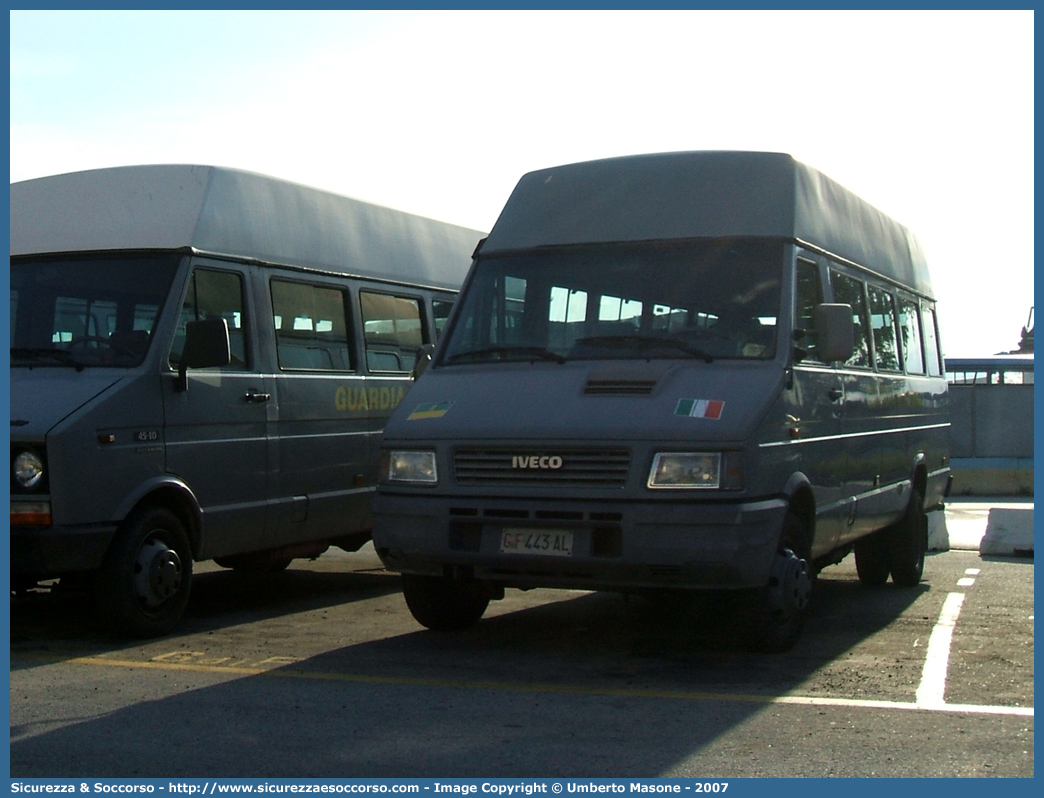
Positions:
(579, 468)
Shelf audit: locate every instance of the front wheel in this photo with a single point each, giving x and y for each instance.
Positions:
(143, 586)
(908, 542)
(776, 612)
(444, 604)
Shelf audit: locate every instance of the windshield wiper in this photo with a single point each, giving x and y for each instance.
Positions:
(645, 342)
(524, 353)
(45, 355)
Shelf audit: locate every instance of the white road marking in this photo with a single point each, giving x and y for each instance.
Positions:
(931, 691)
(352, 678)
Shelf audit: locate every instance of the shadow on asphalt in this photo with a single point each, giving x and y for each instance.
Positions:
(524, 693)
(220, 598)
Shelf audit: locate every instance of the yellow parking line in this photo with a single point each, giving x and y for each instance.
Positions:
(282, 671)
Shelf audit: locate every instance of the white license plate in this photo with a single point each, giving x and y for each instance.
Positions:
(552, 543)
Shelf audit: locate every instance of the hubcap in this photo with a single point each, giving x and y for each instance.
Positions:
(791, 585)
(157, 573)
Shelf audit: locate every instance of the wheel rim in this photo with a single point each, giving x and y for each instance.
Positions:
(157, 573)
(791, 586)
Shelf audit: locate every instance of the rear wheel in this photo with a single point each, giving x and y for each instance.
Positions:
(776, 612)
(444, 604)
(142, 588)
(907, 542)
(871, 557)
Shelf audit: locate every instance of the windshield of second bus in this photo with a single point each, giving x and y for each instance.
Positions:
(697, 300)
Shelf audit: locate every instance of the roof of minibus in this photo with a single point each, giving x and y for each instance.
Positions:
(236, 213)
(704, 194)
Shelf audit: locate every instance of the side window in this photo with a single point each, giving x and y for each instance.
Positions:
(910, 336)
(495, 319)
(214, 294)
(392, 325)
(882, 323)
(567, 314)
(81, 319)
(667, 319)
(311, 327)
(931, 343)
(615, 309)
(808, 293)
(440, 309)
(514, 311)
(849, 291)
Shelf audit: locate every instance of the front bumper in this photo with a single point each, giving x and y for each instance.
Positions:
(50, 551)
(616, 545)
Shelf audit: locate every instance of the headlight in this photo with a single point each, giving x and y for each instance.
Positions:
(411, 467)
(27, 469)
(696, 470)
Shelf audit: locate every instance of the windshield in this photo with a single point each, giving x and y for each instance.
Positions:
(86, 311)
(705, 300)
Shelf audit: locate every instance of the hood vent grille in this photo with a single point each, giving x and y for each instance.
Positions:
(597, 387)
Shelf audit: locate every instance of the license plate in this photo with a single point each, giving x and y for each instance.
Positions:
(551, 543)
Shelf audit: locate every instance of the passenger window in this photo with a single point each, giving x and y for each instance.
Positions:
(498, 323)
(214, 294)
(392, 326)
(808, 294)
(667, 319)
(567, 314)
(76, 318)
(931, 343)
(514, 310)
(910, 337)
(849, 291)
(613, 308)
(311, 327)
(882, 323)
(440, 309)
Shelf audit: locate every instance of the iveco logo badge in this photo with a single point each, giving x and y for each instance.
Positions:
(552, 463)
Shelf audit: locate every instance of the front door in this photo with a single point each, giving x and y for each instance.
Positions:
(818, 402)
(217, 429)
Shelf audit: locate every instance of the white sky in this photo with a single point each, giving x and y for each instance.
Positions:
(928, 115)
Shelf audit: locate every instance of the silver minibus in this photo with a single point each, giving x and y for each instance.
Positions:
(694, 371)
(202, 362)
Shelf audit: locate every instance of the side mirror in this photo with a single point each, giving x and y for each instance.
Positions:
(424, 355)
(835, 332)
(206, 345)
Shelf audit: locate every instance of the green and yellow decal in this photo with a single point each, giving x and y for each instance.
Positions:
(434, 410)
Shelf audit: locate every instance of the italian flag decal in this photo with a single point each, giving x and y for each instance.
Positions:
(699, 408)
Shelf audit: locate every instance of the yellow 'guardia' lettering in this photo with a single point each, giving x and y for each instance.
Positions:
(356, 399)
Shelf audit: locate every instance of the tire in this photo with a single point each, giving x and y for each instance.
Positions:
(143, 586)
(443, 604)
(907, 542)
(871, 558)
(776, 613)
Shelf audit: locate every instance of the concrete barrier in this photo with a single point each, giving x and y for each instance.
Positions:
(1009, 532)
(938, 534)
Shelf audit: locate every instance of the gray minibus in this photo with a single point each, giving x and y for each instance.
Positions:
(202, 362)
(701, 371)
